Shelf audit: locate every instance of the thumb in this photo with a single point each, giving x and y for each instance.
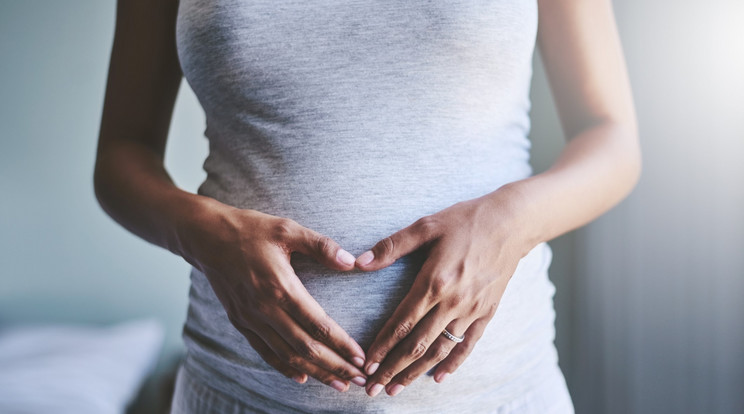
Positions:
(323, 249)
(397, 245)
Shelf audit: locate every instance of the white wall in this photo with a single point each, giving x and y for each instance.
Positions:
(61, 257)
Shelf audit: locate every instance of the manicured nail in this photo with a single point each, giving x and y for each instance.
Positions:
(397, 388)
(374, 390)
(358, 361)
(300, 379)
(338, 385)
(360, 381)
(345, 257)
(372, 368)
(366, 258)
(440, 377)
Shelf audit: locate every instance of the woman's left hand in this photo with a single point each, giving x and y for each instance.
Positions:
(474, 248)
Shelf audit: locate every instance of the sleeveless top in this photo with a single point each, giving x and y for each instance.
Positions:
(355, 118)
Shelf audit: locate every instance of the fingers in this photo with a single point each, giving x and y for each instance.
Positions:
(399, 244)
(414, 306)
(322, 248)
(438, 351)
(271, 358)
(313, 335)
(462, 350)
(321, 327)
(298, 302)
(306, 351)
(406, 316)
(287, 353)
(409, 350)
(298, 330)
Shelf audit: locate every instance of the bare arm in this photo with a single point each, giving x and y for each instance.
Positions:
(245, 254)
(130, 180)
(475, 245)
(601, 163)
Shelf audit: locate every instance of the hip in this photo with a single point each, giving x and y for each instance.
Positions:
(547, 393)
(514, 350)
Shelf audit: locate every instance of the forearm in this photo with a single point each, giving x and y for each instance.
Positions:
(134, 188)
(595, 171)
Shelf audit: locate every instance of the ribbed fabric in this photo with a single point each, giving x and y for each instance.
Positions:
(355, 118)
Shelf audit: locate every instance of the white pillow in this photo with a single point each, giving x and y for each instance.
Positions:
(75, 369)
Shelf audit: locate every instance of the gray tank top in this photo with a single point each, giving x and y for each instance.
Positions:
(355, 118)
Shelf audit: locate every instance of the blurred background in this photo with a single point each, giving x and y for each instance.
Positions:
(650, 296)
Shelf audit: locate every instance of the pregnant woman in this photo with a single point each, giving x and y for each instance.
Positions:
(370, 237)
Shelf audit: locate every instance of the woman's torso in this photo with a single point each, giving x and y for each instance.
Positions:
(355, 118)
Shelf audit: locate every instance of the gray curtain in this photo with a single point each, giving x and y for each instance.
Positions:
(650, 297)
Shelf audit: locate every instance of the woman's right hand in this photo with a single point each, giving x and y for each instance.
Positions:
(245, 255)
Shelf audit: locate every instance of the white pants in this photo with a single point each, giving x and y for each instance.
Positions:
(191, 396)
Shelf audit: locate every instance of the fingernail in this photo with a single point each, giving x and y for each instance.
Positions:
(338, 385)
(374, 390)
(397, 388)
(360, 381)
(358, 361)
(299, 379)
(345, 257)
(366, 258)
(441, 377)
(372, 368)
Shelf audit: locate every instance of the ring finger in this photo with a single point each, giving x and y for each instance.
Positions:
(413, 347)
(438, 351)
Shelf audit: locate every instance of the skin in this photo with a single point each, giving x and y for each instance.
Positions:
(474, 246)
(245, 253)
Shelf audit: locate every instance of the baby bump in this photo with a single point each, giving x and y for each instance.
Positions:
(360, 302)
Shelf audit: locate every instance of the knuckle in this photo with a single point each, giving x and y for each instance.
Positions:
(492, 309)
(417, 350)
(309, 350)
(324, 244)
(477, 307)
(386, 246)
(381, 352)
(402, 330)
(441, 353)
(386, 376)
(321, 331)
(457, 300)
(275, 294)
(465, 349)
(342, 372)
(408, 378)
(295, 360)
(427, 226)
(438, 286)
(284, 228)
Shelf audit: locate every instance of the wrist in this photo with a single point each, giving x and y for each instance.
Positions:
(515, 213)
(195, 219)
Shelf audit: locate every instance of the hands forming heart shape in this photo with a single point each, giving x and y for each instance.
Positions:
(473, 246)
